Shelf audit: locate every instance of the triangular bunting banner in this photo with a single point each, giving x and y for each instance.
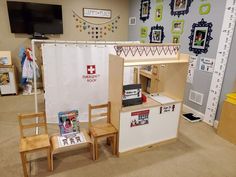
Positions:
(147, 50)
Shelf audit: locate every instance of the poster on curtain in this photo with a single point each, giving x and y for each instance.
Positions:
(91, 75)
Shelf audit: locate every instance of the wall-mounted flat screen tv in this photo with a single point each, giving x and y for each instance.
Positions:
(33, 18)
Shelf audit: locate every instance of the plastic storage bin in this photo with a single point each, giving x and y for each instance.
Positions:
(231, 98)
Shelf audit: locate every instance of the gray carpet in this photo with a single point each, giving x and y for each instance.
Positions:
(198, 152)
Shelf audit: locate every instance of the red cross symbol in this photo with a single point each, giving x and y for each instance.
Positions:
(91, 69)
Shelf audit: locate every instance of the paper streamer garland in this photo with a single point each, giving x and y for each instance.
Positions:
(94, 30)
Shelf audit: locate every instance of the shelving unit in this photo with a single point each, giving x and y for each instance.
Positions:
(11, 87)
(162, 119)
(148, 79)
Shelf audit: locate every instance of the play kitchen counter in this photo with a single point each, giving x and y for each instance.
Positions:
(149, 123)
(156, 120)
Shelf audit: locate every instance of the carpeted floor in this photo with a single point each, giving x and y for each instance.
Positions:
(198, 152)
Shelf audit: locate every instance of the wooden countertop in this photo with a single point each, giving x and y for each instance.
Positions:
(150, 103)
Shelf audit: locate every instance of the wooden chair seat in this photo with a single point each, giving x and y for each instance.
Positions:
(102, 130)
(34, 143)
(56, 148)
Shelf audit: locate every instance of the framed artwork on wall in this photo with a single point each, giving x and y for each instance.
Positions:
(176, 39)
(145, 10)
(132, 21)
(177, 26)
(4, 78)
(157, 34)
(205, 9)
(180, 7)
(158, 12)
(143, 31)
(142, 41)
(200, 37)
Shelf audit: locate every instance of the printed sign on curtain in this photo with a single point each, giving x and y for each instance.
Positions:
(91, 75)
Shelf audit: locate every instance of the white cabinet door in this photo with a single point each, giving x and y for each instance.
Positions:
(148, 126)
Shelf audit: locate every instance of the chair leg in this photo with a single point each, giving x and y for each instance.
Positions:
(109, 141)
(114, 144)
(49, 159)
(96, 148)
(92, 150)
(24, 161)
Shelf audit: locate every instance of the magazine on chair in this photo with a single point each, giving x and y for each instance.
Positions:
(68, 123)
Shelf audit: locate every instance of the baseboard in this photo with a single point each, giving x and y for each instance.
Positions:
(216, 123)
(39, 85)
(147, 147)
(187, 109)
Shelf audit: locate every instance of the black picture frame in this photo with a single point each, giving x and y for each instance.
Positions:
(200, 37)
(145, 10)
(180, 7)
(157, 34)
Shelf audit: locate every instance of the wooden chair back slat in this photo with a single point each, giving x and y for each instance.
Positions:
(99, 115)
(22, 122)
(101, 106)
(32, 115)
(33, 125)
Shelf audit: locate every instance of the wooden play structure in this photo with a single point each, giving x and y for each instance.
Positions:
(162, 117)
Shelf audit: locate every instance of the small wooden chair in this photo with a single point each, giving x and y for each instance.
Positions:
(34, 142)
(102, 130)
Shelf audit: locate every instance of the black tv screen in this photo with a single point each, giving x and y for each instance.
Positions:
(33, 18)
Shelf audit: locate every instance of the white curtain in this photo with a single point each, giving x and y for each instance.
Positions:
(68, 71)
